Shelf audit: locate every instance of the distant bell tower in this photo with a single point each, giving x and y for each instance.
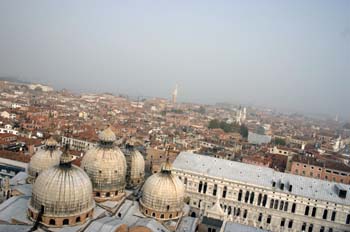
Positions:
(174, 95)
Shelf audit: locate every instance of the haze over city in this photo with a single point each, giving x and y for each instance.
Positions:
(289, 55)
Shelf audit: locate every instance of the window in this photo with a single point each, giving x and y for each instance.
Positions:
(294, 207)
(322, 229)
(307, 208)
(286, 206)
(77, 219)
(238, 212)
(281, 205)
(65, 222)
(215, 189)
(224, 192)
(205, 187)
(303, 227)
(251, 198)
(276, 204)
(259, 198)
(283, 222)
(162, 216)
(347, 220)
(264, 200)
(268, 220)
(200, 186)
(185, 180)
(52, 222)
(313, 214)
(246, 198)
(325, 212)
(245, 213)
(311, 226)
(290, 224)
(271, 203)
(333, 215)
(260, 217)
(240, 195)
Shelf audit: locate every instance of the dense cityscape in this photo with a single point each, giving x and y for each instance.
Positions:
(157, 164)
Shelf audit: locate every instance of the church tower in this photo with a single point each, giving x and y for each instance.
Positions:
(174, 95)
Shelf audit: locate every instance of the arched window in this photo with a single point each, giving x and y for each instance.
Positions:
(271, 203)
(246, 198)
(116, 193)
(98, 194)
(153, 214)
(65, 221)
(259, 199)
(185, 180)
(170, 216)
(251, 198)
(78, 219)
(224, 192)
(281, 205)
(168, 207)
(245, 212)
(276, 204)
(286, 206)
(347, 220)
(162, 216)
(334, 213)
(229, 210)
(325, 213)
(240, 195)
(264, 200)
(205, 187)
(108, 194)
(313, 213)
(52, 222)
(200, 186)
(146, 211)
(307, 208)
(294, 207)
(215, 189)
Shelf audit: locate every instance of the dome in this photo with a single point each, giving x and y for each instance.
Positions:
(62, 195)
(163, 195)
(107, 135)
(135, 168)
(43, 159)
(106, 167)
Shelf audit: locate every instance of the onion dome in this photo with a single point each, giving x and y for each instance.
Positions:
(163, 195)
(135, 167)
(43, 159)
(106, 167)
(62, 195)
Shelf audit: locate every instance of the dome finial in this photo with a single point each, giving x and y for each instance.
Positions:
(66, 158)
(51, 143)
(107, 135)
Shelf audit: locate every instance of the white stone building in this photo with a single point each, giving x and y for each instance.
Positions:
(262, 197)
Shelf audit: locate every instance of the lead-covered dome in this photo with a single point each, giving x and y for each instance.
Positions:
(62, 195)
(163, 195)
(135, 167)
(43, 159)
(106, 167)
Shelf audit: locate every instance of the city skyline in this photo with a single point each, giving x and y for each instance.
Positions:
(292, 55)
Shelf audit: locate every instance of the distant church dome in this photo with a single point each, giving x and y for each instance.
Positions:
(163, 195)
(135, 167)
(106, 167)
(62, 195)
(43, 159)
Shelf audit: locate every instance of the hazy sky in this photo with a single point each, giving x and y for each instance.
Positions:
(286, 54)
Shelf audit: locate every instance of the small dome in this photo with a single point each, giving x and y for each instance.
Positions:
(63, 194)
(106, 167)
(135, 168)
(51, 142)
(163, 195)
(42, 160)
(107, 135)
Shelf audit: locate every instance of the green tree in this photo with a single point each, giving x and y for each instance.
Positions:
(243, 130)
(279, 141)
(214, 123)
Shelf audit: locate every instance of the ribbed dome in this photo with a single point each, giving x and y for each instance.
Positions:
(163, 196)
(107, 135)
(106, 167)
(43, 159)
(64, 193)
(135, 168)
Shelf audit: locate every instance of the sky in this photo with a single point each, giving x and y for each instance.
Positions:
(282, 54)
